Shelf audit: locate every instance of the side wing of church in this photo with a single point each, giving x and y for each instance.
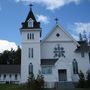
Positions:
(58, 56)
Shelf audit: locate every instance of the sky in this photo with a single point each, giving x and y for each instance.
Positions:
(73, 16)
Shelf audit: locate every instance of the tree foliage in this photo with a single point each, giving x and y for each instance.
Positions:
(84, 83)
(35, 83)
(81, 83)
(11, 57)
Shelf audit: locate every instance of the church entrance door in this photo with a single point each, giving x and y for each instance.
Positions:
(62, 75)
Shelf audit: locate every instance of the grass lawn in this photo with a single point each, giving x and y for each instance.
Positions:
(17, 87)
(10, 87)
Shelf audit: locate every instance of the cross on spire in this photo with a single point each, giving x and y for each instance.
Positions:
(56, 19)
(31, 6)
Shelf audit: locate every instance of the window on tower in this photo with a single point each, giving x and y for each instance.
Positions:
(30, 68)
(30, 52)
(30, 23)
(30, 36)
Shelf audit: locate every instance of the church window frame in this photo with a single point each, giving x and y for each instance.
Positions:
(58, 35)
(30, 68)
(30, 36)
(30, 53)
(16, 76)
(46, 70)
(4, 76)
(59, 51)
(30, 23)
(75, 66)
(10, 75)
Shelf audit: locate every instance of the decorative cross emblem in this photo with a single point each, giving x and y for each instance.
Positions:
(59, 52)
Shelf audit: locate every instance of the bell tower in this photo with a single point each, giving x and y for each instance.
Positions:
(30, 54)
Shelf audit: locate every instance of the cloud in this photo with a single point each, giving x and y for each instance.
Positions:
(79, 27)
(76, 37)
(43, 19)
(6, 45)
(51, 4)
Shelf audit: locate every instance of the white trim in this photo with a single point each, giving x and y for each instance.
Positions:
(30, 22)
(63, 31)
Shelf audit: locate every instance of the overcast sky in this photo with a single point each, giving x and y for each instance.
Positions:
(73, 15)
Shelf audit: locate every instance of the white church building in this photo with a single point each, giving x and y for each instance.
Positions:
(58, 56)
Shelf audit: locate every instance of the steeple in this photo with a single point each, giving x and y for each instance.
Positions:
(30, 14)
(29, 17)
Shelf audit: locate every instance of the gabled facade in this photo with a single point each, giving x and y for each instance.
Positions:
(58, 56)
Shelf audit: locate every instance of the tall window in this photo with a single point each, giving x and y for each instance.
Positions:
(10, 75)
(30, 52)
(30, 68)
(75, 66)
(4, 76)
(15, 76)
(30, 36)
(30, 23)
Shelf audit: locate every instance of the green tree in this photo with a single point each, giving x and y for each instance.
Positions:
(81, 83)
(35, 84)
(18, 56)
(88, 79)
(11, 57)
(39, 82)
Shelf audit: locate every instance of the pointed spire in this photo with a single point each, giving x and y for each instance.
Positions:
(31, 16)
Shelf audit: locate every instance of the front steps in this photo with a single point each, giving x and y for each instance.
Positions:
(64, 85)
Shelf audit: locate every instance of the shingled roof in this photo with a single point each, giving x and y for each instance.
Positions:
(48, 61)
(9, 69)
(30, 16)
(83, 47)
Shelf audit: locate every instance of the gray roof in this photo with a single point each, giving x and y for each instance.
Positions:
(83, 47)
(48, 61)
(9, 69)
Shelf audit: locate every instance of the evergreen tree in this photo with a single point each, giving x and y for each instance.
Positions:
(80, 37)
(81, 83)
(84, 36)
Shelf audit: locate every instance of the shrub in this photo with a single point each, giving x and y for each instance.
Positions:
(88, 79)
(31, 82)
(81, 83)
(35, 84)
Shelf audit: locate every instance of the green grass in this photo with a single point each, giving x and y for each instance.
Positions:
(10, 87)
(17, 87)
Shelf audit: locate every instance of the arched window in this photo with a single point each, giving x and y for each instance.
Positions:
(30, 23)
(32, 35)
(30, 68)
(75, 66)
